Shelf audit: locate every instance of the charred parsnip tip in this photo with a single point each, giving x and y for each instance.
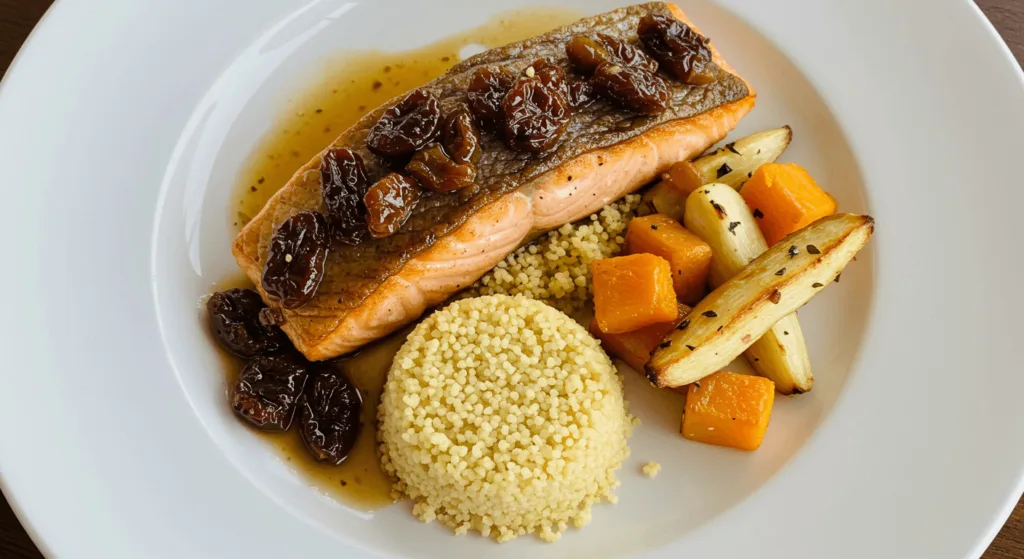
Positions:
(717, 214)
(745, 307)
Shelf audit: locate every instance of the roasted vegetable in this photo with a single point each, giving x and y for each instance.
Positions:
(727, 409)
(742, 309)
(718, 214)
(734, 163)
(688, 256)
(635, 347)
(631, 292)
(668, 197)
(784, 199)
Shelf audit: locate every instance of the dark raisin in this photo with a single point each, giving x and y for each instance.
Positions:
(549, 74)
(329, 424)
(268, 389)
(295, 259)
(632, 88)
(626, 54)
(536, 114)
(487, 88)
(587, 53)
(235, 321)
(682, 52)
(432, 167)
(343, 184)
(460, 137)
(581, 93)
(389, 202)
(406, 127)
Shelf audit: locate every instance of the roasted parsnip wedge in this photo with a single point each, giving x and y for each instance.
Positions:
(742, 309)
(740, 159)
(734, 163)
(717, 214)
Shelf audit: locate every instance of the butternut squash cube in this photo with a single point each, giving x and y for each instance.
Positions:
(729, 409)
(631, 292)
(635, 347)
(688, 255)
(785, 199)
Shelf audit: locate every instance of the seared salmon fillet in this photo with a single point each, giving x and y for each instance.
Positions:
(451, 239)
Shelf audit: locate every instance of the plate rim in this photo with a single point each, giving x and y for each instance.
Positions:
(981, 544)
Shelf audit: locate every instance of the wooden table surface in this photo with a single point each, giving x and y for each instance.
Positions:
(17, 17)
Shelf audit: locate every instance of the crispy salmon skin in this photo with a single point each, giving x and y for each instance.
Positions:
(374, 288)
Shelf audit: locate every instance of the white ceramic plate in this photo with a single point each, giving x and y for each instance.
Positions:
(124, 123)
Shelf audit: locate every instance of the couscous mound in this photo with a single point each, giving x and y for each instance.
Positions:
(503, 415)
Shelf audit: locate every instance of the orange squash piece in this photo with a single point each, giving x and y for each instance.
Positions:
(784, 199)
(635, 347)
(631, 292)
(668, 197)
(728, 409)
(687, 254)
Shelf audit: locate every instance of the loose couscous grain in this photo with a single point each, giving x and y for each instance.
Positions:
(503, 415)
(556, 268)
(651, 469)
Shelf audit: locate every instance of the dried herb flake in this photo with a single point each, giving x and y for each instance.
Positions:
(780, 272)
(811, 249)
(683, 324)
(837, 276)
(731, 146)
(725, 169)
(733, 226)
(817, 285)
(793, 251)
(654, 227)
(663, 345)
(709, 314)
(718, 208)
(757, 213)
(775, 296)
(690, 347)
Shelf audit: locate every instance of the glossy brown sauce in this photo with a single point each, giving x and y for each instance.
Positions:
(355, 82)
(352, 84)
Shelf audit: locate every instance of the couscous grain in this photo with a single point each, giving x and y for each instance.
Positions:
(556, 268)
(651, 469)
(503, 415)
